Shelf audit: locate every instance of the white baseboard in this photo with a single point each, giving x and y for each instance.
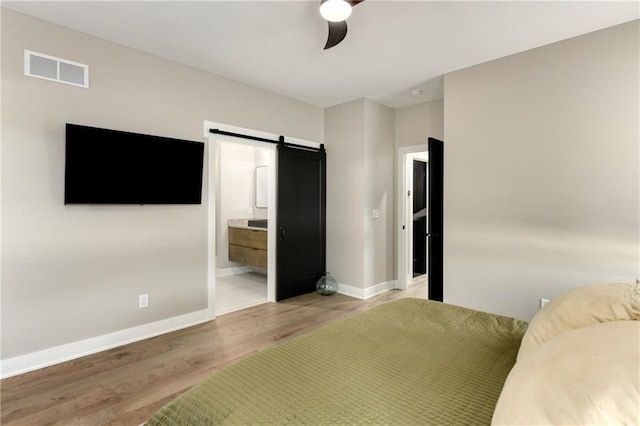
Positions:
(366, 293)
(225, 272)
(47, 357)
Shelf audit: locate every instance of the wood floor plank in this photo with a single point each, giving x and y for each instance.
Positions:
(126, 385)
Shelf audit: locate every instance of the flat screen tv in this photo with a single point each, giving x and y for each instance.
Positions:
(113, 167)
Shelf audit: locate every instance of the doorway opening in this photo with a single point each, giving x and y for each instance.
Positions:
(242, 210)
(260, 214)
(419, 219)
(242, 199)
(412, 253)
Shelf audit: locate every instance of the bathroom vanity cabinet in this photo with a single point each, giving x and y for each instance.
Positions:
(248, 245)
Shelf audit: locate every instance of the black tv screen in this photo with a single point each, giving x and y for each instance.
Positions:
(113, 167)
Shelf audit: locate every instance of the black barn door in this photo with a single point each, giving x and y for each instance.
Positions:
(301, 221)
(435, 219)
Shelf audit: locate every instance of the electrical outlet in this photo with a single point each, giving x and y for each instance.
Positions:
(543, 302)
(143, 301)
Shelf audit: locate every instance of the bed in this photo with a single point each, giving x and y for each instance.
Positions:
(409, 361)
(414, 361)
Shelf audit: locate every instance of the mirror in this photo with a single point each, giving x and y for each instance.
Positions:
(261, 187)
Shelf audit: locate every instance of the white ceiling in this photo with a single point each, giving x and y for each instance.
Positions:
(392, 46)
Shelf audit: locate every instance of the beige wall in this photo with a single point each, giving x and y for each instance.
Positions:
(379, 194)
(74, 272)
(344, 135)
(541, 172)
(360, 141)
(414, 124)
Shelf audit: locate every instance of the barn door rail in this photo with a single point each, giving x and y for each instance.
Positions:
(279, 141)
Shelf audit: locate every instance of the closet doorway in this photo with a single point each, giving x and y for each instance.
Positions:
(412, 254)
(419, 219)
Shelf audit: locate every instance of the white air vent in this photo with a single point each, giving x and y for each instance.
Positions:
(55, 69)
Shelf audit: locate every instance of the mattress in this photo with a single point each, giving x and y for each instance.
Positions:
(410, 361)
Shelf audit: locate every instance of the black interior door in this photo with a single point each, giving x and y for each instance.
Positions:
(419, 218)
(301, 221)
(435, 219)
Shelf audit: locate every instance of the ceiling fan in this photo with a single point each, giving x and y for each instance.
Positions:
(336, 12)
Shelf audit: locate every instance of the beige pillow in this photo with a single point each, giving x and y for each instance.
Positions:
(587, 376)
(581, 307)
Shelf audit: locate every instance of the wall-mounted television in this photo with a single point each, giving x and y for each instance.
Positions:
(113, 167)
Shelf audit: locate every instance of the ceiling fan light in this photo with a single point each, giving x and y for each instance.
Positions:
(335, 10)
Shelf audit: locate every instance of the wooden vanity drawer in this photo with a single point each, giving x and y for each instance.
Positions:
(248, 256)
(248, 246)
(248, 238)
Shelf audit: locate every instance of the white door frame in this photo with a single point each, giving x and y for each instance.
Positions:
(404, 226)
(212, 172)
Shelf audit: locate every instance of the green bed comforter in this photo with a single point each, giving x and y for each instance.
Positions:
(408, 362)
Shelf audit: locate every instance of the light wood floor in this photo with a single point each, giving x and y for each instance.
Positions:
(126, 385)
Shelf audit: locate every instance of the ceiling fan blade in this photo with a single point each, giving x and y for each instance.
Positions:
(337, 33)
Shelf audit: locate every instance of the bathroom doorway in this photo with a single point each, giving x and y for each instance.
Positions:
(264, 152)
(243, 174)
